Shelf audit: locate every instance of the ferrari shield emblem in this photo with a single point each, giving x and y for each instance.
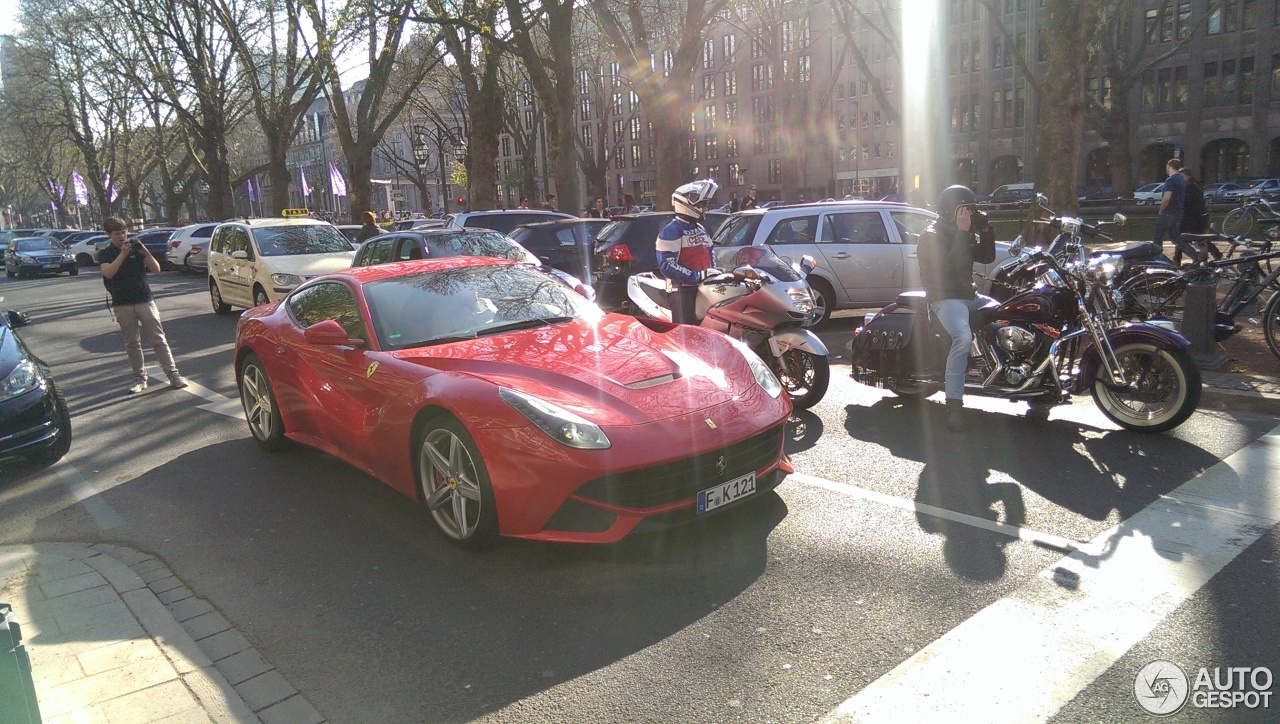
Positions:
(373, 367)
(710, 424)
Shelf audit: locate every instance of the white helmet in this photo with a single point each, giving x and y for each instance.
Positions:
(691, 200)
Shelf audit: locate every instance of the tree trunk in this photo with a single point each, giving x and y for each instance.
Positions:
(482, 152)
(1120, 156)
(278, 172)
(671, 148)
(1067, 30)
(360, 170)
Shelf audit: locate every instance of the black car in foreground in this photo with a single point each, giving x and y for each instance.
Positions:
(626, 247)
(38, 255)
(35, 425)
(565, 244)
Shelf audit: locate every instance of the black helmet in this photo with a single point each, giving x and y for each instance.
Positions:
(952, 198)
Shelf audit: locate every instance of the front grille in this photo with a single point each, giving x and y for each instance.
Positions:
(47, 259)
(682, 479)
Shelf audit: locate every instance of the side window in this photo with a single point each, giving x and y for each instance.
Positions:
(862, 227)
(237, 240)
(216, 243)
(910, 225)
(380, 250)
(331, 300)
(408, 248)
(797, 230)
(565, 237)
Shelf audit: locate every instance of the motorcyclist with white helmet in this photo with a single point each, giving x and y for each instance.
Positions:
(684, 249)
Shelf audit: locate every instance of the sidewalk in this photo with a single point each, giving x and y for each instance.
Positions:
(1249, 393)
(115, 637)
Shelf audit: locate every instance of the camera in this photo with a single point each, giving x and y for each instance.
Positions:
(978, 219)
(137, 245)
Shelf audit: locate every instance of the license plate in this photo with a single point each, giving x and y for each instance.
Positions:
(52, 266)
(725, 493)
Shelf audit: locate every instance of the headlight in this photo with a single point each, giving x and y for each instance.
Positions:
(764, 376)
(286, 280)
(563, 426)
(27, 260)
(801, 298)
(24, 378)
(1104, 269)
(68, 257)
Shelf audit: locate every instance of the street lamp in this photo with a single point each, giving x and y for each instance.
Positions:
(441, 138)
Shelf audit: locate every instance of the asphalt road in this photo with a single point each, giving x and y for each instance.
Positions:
(776, 610)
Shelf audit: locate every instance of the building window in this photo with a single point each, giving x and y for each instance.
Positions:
(617, 104)
(788, 36)
(708, 54)
(1020, 108)
(735, 175)
(757, 77)
(584, 82)
(633, 101)
(619, 160)
(635, 129)
(1211, 87)
(528, 120)
(584, 109)
(731, 147)
(731, 113)
(635, 154)
(1246, 80)
(1180, 87)
(617, 131)
(1249, 15)
(1228, 76)
(889, 150)
(775, 171)
(586, 135)
(713, 150)
(1275, 73)
(1230, 15)
(1151, 24)
(803, 69)
(757, 49)
(876, 118)
(730, 48)
(708, 86)
(1184, 20)
(709, 118)
(1215, 20)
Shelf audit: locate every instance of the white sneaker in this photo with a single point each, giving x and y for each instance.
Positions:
(178, 382)
(139, 387)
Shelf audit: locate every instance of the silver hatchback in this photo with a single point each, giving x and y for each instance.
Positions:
(866, 250)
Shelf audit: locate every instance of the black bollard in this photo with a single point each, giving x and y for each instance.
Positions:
(1198, 316)
(17, 690)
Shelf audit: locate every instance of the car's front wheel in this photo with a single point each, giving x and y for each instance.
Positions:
(824, 300)
(259, 402)
(454, 484)
(260, 297)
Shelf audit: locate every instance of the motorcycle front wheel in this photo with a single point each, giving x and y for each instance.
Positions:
(1164, 388)
(804, 376)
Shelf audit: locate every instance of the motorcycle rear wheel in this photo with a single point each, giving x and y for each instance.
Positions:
(804, 376)
(912, 390)
(1169, 388)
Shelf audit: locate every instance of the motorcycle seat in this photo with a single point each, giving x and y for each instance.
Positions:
(1128, 250)
(917, 300)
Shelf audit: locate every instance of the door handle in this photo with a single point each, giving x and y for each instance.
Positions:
(841, 255)
(913, 255)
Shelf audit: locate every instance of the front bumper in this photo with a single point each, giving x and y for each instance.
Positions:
(30, 423)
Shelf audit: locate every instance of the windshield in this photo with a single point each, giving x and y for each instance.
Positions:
(612, 232)
(738, 230)
(455, 304)
(300, 239)
(37, 245)
(1260, 182)
(483, 244)
(761, 258)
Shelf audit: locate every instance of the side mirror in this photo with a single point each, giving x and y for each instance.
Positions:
(1015, 246)
(16, 318)
(329, 332)
(807, 264)
(1120, 219)
(239, 254)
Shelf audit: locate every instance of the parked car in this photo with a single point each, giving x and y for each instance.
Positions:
(508, 405)
(626, 246)
(38, 255)
(189, 248)
(439, 244)
(351, 231)
(157, 242)
(1149, 195)
(504, 221)
(565, 244)
(1015, 194)
(84, 247)
(261, 260)
(1219, 191)
(410, 224)
(866, 250)
(35, 424)
(1256, 189)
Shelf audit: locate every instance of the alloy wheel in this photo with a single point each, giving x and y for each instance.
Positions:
(451, 484)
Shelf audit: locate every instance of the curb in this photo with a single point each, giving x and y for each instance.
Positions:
(1216, 398)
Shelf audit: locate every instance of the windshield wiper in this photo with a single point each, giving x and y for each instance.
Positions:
(524, 324)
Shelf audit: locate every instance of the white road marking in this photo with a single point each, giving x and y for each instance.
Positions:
(218, 402)
(1052, 541)
(87, 495)
(1077, 618)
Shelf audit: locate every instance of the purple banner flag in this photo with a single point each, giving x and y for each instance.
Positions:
(82, 191)
(336, 182)
(249, 182)
(306, 190)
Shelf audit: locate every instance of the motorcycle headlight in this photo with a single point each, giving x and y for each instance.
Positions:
(286, 280)
(802, 298)
(1104, 269)
(24, 378)
(561, 425)
(764, 376)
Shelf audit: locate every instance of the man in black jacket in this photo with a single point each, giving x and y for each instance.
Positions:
(1195, 220)
(948, 249)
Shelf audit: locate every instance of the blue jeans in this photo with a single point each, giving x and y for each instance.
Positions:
(1167, 224)
(953, 315)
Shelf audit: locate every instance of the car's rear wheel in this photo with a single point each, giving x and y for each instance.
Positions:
(259, 402)
(84, 259)
(73, 270)
(215, 296)
(454, 484)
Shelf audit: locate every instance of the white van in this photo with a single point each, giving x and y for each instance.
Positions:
(260, 261)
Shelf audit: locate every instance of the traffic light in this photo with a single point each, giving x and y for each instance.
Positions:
(461, 200)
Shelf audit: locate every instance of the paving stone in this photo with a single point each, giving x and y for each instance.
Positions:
(295, 710)
(103, 687)
(120, 576)
(206, 625)
(242, 666)
(49, 574)
(155, 574)
(220, 646)
(147, 705)
(190, 716)
(111, 621)
(89, 715)
(53, 666)
(165, 584)
(119, 654)
(82, 582)
(79, 600)
(262, 691)
(189, 608)
(147, 565)
(130, 557)
(174, 595)
(173, 639)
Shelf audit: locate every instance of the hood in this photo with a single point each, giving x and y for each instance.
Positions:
(40, 254)
(310, 265)
(11, 352)
(615, 371)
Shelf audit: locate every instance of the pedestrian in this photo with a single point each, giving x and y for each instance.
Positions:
(370, 228)
(735, 205)
(684, 249)
(124, 265)
(1195, 220)
(598, 210)
(550, 203)
(628, 204)
(948, 249)
(1169, 218)
(750, 202)
(524, 202)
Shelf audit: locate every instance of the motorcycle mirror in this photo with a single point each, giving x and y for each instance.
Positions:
(1120, 219)
(807, 264)
(1015, 246)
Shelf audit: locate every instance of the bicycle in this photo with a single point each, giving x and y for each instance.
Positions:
(1158, 292)
(1240, 220)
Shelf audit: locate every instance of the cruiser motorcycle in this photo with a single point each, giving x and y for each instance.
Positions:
(764, 302)
(1061, 336)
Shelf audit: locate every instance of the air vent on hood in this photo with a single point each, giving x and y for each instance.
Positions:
(654, 381)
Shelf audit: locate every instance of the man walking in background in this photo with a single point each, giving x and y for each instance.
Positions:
(1169, 219)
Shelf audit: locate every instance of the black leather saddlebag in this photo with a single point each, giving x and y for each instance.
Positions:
(882, 349)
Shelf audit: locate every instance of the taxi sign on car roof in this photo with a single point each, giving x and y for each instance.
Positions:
(295, 212)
